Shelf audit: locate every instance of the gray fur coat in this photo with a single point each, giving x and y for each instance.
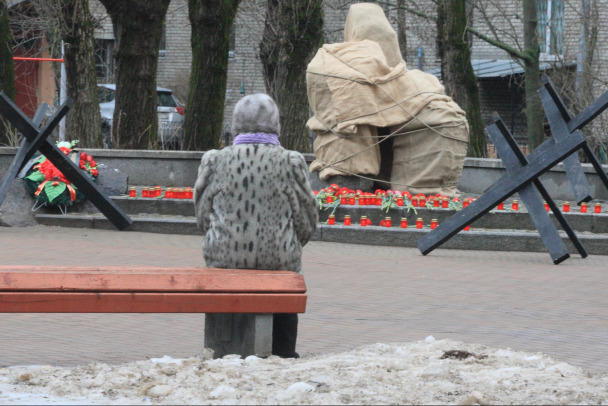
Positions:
(255, 206)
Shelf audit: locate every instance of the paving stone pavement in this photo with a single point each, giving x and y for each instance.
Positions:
(358, 295)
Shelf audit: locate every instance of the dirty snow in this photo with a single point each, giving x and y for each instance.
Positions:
(424, 372)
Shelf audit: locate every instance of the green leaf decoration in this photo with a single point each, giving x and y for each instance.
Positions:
(35, 176)
(52, 192)
(41, 159)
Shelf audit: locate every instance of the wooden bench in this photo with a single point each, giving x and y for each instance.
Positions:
(114, 289)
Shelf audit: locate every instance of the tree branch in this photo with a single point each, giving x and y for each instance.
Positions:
(501, 45)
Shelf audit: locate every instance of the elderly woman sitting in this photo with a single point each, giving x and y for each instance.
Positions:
(254, 204)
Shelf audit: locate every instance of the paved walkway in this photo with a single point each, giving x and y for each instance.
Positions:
(357, 295)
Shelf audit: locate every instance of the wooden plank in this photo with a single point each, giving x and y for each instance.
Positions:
(67, 302)
(69, 169)
(147, 279)
(541, 160)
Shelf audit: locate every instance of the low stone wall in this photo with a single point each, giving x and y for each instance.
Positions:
(180, 168)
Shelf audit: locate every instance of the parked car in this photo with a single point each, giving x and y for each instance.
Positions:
(170, 116)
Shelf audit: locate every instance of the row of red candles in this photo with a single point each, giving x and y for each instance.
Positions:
(169, 193)
(376, 200)
(387, 222)
(565, 208)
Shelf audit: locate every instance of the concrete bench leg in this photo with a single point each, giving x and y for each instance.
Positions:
(239, 333)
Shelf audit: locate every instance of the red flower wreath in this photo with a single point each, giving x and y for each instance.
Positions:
(50, 187)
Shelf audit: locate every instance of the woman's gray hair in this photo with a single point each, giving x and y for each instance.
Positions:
(256, 113)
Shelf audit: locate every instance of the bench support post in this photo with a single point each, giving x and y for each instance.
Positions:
(239, 333)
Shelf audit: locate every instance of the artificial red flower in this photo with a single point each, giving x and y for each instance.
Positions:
(94, 172)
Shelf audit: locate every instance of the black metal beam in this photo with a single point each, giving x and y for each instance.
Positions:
(513, 158)
(69, 169)
(541, 160)
(578, 122)
(558, 116)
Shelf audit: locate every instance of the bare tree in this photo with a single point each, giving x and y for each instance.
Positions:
(7, 75)
(292, 34)
(528, 53)
(84, 121)
(211, 24)
(138, 28)
(457, 71)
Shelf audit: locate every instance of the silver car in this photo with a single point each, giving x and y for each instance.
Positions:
(170, 116)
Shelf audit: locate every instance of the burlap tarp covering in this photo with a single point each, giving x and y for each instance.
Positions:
(353, 90)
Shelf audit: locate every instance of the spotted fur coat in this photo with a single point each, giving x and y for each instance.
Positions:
(255, 206)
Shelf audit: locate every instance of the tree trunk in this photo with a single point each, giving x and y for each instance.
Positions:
(138, 27)
(83, 121)
(292, 34)
(534, 109)
(456, 70)
(211, 22)
(7, 69)
(401, 29)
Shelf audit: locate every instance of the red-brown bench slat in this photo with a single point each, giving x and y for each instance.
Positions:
(70, 302)
(147, 279)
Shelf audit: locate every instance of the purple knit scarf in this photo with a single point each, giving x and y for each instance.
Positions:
(256, 138)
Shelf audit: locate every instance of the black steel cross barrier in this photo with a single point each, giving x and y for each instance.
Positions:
(36, 139)
(523, 175)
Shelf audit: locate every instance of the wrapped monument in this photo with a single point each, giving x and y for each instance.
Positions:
(361, 87)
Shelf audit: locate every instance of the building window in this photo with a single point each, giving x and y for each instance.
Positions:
(232, 45)
(550, 14)
(162, 47)
(104, 60)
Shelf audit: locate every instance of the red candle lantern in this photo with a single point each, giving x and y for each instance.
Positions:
(433, 223)
(566, 207)
(145, 192)
(403, 222)
(157, 191)
(583, 207)
(422, 201)
(169, 193)
(415, 202)
(351, 199)
(363, 221)
(436, 202)
(598, 208)
(132, 192)
(347, 219)
(515, 205)
(362, 200)
(387, 222)
(445, 203)
(419, 223)
(329, 199)
(379, 198)
(501, 206)
(465, 202)
(399, 200)
(189, 193)
(331, 220)
(546, 206)
(343, 199)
